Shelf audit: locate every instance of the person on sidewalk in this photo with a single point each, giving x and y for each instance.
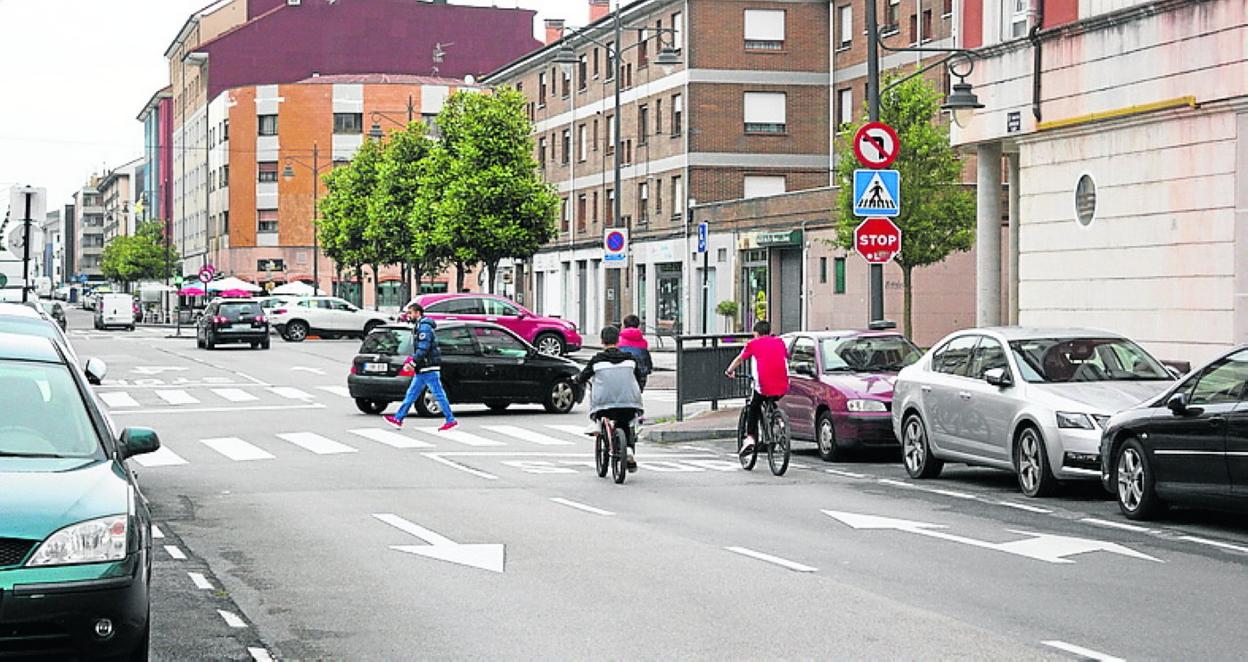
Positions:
(615, 379)
(769, 368)
(427, 361)
(632, 341)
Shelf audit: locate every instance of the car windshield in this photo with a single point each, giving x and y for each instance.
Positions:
(28, 326)
(44, 414)
(868, 354)
(389, 342)
(235, 311)
(1062, 360)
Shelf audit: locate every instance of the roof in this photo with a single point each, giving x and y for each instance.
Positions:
(1032, 332)
(18, 310)
(192, 20)
(842, 333)
(383, 79)
(28, 348)
(165, 92)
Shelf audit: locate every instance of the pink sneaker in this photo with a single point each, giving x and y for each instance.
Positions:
(394, 422)
(448, 426)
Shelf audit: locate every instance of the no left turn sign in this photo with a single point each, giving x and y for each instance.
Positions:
(876, 145)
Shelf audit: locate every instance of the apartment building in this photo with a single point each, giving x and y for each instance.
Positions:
(157, 119)
(117, 187)
(87, 234)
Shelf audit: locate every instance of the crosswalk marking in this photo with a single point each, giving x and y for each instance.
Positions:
(459, 436)
(340, 391)
(236, 449)
(235, 394)
(162, 457)
(575, 430)
(118, 399)
(177, 397)
(525, 434)
(290, 393)
(389, 438)
(316, 443)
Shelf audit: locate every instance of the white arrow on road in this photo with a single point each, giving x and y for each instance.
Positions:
(490, 557)
(157, 369)
(1040, 546)
(315, 371)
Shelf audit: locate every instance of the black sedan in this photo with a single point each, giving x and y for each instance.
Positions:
(232, 321)
(1189, 445)
(481, 363)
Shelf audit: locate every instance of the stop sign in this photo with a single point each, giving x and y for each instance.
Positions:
(877, 240)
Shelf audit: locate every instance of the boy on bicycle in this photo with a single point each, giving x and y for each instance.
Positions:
(769, 367)
(615, 378)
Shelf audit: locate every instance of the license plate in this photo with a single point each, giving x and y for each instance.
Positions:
(376, 367)
(240, 327)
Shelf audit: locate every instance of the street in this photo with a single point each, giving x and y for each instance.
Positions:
(295, 527)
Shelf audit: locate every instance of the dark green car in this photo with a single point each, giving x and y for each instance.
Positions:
(75, 531)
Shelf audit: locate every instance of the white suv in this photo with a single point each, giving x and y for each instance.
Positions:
(327, 317)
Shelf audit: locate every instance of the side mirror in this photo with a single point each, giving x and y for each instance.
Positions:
(137, 441)
(1177, 404)
(521, 315)
(999, 377)
(96, 369)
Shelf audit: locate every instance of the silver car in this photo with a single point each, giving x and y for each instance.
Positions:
(1028, 400)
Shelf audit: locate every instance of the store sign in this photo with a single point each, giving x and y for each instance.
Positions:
(770, 239)
(271, 265)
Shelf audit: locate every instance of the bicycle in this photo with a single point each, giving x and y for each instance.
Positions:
(614, 454)
(773, 433)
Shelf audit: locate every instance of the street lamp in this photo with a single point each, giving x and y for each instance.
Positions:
(961, 102)
(376, 116)
(288, 173)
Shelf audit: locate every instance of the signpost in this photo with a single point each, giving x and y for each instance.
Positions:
(877, 192)
(877, 240)
(615, 248)
(704, 239)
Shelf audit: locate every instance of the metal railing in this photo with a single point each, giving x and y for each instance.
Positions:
(700, 365)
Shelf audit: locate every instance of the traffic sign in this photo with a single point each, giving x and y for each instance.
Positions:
(877, 240)
(876, 145)
(206, 273)
(704, 236)
(615, 248)
(877, 193)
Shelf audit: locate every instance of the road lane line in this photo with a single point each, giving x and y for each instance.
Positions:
(232, 619)
(175, 552)
(340, 391)
(200, 581)
(462, 467)
(390, 438)
(846, 474)
(161, 457)
(461, 437)
(290, 393)
(234, 394)
(118, 399)
(157, 533)
(948, 493)
(1215, 543)
(1085, 653)
(177, 397)
(580, 506)
(574, 430)
(316, 443)
(895, 483)
(236, 449)
(1116, 525)
(1026, 507)
(791, 565)
(260, 654)
(526, 434)
(218, 410)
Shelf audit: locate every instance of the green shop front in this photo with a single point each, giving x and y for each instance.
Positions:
(771, 280)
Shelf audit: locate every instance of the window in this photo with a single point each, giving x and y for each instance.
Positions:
(947, 8)
(802, 354)
(846, 14)
(926, 35)
(845, 107)
(594, 207)
(643, 48)
(564, 215)
(678, 196)
(349, 123)
(628, 152)
(1222, 382)
(658, 199)
(914, 29)
(955, 357)
(497, 342)
(658, 116)
(610, 60)
(678, 111)
(678, 37)
(643, 124)
(541, 151)
(596, 72)
(581, 139)
(610, 134)
(643, 202)
(453, 342)
(267, 171)
(892, 17)
(1061, 360)
(1018, 18)
(764, 29)
(457, 306)
(838, 276)
(225, 130)
(567, 145)
(765, 112)
(988, 355)
(595, 135)
(758, 186)
(266, 220)
(823, 270)
(582, 73)
(268, 124)
(580, 213)
(499, 307)
(541, 89)
(567, 85)
(609, 211)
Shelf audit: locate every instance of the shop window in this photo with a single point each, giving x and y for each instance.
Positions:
(389, 293)
(668, 297)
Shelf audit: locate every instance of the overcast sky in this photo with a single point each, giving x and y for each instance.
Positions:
(75, 73)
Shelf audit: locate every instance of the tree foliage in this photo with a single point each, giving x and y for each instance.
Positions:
(142, 256)
(343, 228)
(937, 212)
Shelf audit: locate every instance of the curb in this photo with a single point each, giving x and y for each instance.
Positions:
(683, 436)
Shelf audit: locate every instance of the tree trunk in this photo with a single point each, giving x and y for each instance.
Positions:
(376, 287)
(907, 327)
(491, 271)
(359, 285)
(459, 276)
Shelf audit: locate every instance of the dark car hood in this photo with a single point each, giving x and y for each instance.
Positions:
(876, 385)
(39, 496)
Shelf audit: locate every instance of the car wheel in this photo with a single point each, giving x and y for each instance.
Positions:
(371, 406)
(561, 397)
(825, 437)
(264, 344)
(368, 328)
(297, 331)
(199, 340)
(427, 405)
(916, 452)
(498, 405)
(550, 344)
(143, 647)
(209, 341)
(1137, 498)
(1035, 478)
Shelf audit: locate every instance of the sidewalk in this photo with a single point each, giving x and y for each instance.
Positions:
(706, 426)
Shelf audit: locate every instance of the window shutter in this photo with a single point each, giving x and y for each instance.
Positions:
(764, 108)
(764, 25)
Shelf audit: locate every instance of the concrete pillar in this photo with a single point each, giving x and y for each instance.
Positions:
(988, 236)
(1012, 164)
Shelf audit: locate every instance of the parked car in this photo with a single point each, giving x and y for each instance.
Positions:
(1189, 445)
(75, 538)
(327, 317)
(551, 335)
(22, 320)
(232, 321)
(481, 363)
(841, 388)
(52, 309)
(269, 303)
(1030, 401)
(114, 309)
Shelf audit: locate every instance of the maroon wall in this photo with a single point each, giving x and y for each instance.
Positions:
(366, 36)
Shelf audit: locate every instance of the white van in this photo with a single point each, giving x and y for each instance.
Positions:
(114, 309)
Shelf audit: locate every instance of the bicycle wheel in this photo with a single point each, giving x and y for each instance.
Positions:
(778, 446)
(602, 454)
(747, 459)
(619, 457)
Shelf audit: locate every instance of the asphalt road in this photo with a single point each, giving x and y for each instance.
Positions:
(323, 537)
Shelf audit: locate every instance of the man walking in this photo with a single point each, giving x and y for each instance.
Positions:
(427, 362)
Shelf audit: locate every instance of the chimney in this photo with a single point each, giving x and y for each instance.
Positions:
(598, 9)
(554, 30)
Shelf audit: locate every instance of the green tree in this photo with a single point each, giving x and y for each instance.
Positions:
(394, 199)
(937, 212)
(344, 210)
(141, 256)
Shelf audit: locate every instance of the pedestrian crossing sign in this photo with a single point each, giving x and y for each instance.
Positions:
(877, 193)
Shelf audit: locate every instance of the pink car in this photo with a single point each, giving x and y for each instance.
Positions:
(550, 335)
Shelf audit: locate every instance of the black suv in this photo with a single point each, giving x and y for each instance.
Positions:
(233, 321)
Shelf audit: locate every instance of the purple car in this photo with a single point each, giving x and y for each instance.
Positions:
(841, 388)
(550, 335)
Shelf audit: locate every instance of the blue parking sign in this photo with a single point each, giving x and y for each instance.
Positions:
(704, 231)
(877, 193)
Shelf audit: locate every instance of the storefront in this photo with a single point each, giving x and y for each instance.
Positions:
(669, 297)
(772, 279)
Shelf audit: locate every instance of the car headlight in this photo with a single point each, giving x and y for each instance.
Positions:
(865, 405)
(93, 541)
(1072, 420)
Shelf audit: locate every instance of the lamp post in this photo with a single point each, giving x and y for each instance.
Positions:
(288, 173)
(375, 130)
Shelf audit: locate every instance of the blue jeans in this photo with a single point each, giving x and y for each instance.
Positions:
(431, 380)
